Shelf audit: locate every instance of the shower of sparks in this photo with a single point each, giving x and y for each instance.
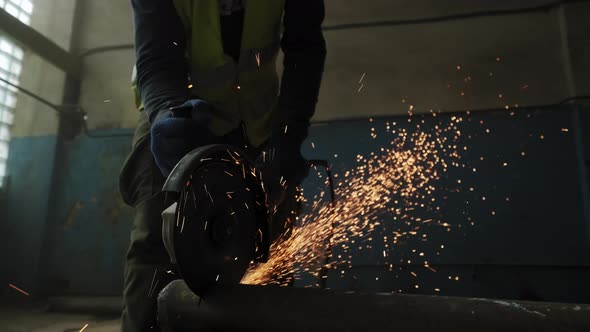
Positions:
(404, 174)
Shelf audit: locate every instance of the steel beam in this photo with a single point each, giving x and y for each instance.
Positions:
(267, 308)
(40, 45)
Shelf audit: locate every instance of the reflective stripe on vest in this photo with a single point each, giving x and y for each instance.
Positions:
(243, 92)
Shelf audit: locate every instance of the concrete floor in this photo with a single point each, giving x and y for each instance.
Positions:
(39, 320)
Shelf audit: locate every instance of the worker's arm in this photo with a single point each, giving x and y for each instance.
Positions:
(304, 48)
(162, 75)
(162, 81)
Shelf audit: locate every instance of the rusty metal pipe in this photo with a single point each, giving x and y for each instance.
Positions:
(267, 308)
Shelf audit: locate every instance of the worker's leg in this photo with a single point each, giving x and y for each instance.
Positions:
(147, 261)
(146, 267)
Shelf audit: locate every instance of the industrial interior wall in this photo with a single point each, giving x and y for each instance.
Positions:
(526, 214)
(498, 208)
(24, 202)
(91, 234)
(473, 63)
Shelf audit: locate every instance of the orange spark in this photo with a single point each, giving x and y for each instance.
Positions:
(408, 168)
(18, 289)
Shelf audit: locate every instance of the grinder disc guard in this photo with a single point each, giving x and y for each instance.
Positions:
(219, 223)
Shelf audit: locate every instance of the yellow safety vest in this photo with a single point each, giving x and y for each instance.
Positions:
(243, 92)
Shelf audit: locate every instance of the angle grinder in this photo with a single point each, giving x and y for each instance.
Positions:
(218, 224)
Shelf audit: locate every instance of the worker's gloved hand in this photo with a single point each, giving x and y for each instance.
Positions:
(177, 131)
(281, 164)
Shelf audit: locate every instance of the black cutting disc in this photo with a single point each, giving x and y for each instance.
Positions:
(221, 222)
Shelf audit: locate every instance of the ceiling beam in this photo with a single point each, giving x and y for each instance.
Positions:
(34, 41)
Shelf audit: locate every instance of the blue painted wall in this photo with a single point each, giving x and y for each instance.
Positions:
(23, 208)
(91, 236)
(535, 246)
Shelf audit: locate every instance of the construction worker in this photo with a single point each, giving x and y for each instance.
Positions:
(206, 73)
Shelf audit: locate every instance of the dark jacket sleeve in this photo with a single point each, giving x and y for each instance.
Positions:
(304, 48)
(160, 43)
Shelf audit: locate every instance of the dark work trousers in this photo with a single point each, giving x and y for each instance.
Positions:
(147, 262)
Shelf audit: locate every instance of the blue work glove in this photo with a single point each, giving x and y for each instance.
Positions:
(179, 130)
(281, 163)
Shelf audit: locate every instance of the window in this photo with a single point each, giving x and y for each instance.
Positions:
(11, 57)
(21, 9)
